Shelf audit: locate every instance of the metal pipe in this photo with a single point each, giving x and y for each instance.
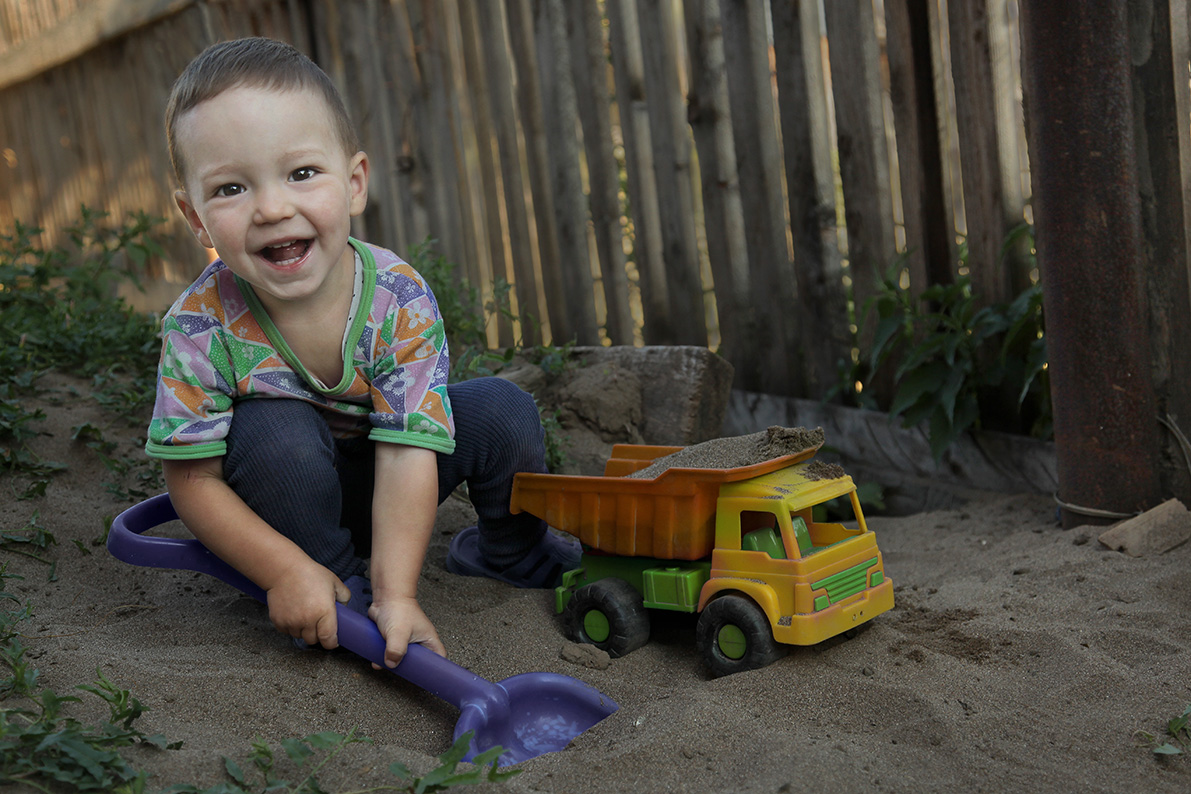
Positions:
(1076, 76)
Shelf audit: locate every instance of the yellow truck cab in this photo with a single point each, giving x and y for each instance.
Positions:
(813, 580)
(740, 547)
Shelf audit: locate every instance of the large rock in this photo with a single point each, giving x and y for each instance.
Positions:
(684, 389)
(671, 396)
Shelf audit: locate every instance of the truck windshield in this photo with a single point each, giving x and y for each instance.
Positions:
(823, 527)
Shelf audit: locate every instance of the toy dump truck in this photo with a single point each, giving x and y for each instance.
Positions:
(740, 546)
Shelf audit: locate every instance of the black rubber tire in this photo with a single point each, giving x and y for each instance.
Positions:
(621, 606)
(739, 612)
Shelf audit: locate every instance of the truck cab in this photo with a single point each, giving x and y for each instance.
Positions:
(812, 579)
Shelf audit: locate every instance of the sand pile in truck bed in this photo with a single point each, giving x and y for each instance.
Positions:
(736, 451)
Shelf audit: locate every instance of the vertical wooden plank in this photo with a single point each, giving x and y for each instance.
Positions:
(155, 58)
(560, 111)
(530, 82)
(629, 72)
(338, 55)
(45, 178)
(863, 158)
(490, 186)
(441, 180)
(672, 167)
(404, 79)
(87, 171)
(497, 65)
(8, 166)
(25, 202)
(1158, 32)
(476, 263)
(381, 141)
(366, 98)
(810, 188)
(589, 71)
(976, 120)
(772, 283)
(710, 118)
(919, 152)
(1005, 60)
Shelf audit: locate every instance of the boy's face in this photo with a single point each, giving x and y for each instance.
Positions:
(269, 186)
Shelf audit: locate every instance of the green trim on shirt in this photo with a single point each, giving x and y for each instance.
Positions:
(413, 439)
(216, 449)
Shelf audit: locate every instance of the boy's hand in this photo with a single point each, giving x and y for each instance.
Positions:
(302, 605)
(401, 621)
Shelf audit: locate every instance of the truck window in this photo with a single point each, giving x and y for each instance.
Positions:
(758, 530)
(825, 533)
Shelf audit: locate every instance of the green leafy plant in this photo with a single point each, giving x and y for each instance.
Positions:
(308, 757)
(32, 541)
(958, 362)
(61, 311)
(1177, 740)
(40, 746)
(466, 319)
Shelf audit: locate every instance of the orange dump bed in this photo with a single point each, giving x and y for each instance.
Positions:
(671, 516)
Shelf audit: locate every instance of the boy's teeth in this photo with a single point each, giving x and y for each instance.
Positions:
(283, 253)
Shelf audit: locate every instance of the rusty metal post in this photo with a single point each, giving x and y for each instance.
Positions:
(1076, 75)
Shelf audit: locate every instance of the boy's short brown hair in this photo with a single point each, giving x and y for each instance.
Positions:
(259, 63)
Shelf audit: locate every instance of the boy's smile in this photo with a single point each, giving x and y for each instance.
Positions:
(271, 189)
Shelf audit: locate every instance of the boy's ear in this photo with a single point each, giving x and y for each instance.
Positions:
(192, 219)
(358, 182)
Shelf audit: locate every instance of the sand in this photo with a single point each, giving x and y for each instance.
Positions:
(735, 451)
(1019, 656)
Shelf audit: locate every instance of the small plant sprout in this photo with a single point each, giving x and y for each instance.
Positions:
(1178, 736)
(309, 756)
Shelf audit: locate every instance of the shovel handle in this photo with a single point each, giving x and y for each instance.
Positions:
(421, 667)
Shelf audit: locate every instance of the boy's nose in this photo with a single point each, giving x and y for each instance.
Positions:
(272, 205)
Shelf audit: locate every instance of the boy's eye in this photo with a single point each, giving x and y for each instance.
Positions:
(226, 191)
(302, 174)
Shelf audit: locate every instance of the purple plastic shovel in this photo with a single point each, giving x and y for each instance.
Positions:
(528, 715)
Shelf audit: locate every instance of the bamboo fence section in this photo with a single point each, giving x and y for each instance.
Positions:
(729, 173)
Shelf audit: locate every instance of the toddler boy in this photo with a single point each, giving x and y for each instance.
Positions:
(303, 416)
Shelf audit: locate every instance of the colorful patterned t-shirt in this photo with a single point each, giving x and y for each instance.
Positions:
(219, 347)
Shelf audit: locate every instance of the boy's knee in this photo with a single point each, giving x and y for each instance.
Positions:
(265, 432)
(495, 403)
(496, 421)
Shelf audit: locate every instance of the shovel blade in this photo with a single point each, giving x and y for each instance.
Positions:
(544, 713)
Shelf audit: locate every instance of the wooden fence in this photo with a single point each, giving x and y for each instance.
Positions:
(732, 173)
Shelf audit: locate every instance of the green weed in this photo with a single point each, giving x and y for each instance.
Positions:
(959, 365)
(43, 748)
(61, 312)
(1177, 740)
(33, 540)
(310, 755)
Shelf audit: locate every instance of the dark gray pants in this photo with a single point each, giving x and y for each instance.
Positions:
(283, 462)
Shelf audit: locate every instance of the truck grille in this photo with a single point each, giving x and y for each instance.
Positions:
(845, 583)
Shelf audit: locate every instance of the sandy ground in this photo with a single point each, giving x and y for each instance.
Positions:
(1019, 656)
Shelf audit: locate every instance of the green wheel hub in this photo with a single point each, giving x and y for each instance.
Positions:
(732, 642)
(595, 626)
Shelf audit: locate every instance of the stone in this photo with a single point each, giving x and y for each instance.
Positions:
(585, 655)
(664, 396)
(684, 389)
(1155, 531)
